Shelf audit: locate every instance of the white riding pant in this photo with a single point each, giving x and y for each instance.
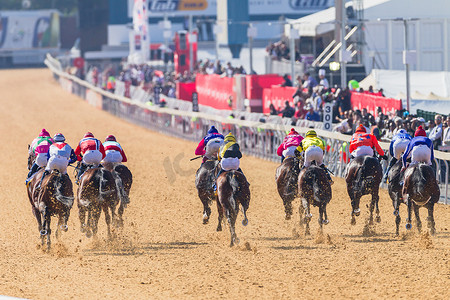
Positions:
(113, 156)
(41, 159)
(57, 162)
(212, 148)
(313, 153)
(399, 147)
(289, 152)
(92, 157)
(362, 150)
(230, 163)
(421, 154)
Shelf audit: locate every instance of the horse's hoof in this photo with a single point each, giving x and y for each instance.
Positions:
(408, 226)
(378, 219)
(88, 234)
(43, 232)
(205, 221)
(325, 222)
(396, 213)
(83, 228)
(237, 240)
(287, 216)
(64, 228)
(245, 222)
(219, 228)
(357, 212)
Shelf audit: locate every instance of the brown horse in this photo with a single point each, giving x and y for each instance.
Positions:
(54, 197)
(123, 179)
(204, 181)
(314, 188)
(420, 189)
(287, 177)
(395, 176)
(232, 190)
(363, 177)
(96, 191)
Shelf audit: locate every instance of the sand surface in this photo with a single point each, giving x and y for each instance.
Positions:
(164, 251)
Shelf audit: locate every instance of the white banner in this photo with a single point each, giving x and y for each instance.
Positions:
(140, 38)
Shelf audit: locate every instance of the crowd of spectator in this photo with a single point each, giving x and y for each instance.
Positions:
(280, 50)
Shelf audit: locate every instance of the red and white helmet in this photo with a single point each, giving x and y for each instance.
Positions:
(88, 134)
(59, 137)
(110, 138)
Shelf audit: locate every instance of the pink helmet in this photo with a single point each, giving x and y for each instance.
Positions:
(88, 134)
(44, 132)
(110, 138)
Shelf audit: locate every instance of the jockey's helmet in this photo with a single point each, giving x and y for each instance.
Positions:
(110, 138)
(59, 137)
(88, 134)
(212, 130)
(420, 131)
(44, 132)
(230, 138)
(311, 133)
(360, 128)
(292, 131)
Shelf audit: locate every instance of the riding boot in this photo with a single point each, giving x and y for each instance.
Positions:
(42, 179)
(81, 170)
(282, 159)
(328, 173)
(33, 170)
(391, 164)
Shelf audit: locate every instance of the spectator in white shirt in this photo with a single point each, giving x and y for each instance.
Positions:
(446, 135)
(436, 132)
(323, 80)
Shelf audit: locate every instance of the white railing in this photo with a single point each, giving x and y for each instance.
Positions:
(256, 138)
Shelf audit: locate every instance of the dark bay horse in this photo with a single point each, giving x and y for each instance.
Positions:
(53, 198)
(286, 177)
(420, 189)
(123, 179)
(395, 176)
(314, 189)
(96, 192)
(363, 177)
(232, 190)
(204, 181)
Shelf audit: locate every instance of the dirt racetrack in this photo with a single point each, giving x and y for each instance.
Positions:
(165, 252)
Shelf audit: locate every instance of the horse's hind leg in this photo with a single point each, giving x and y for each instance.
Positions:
(220, 217)
(231, 217)
(409, 204)
(377, 210)
(37, 215)
(430, 218)
(119, 219)
(308, 215)
(287, 208)
(95, 216)
(82, 217)
(107, 219)
(46, 231)
(356, 211)
(416, 213)
(396, 204)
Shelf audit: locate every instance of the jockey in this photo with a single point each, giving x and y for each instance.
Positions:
(362, 143)
(113, 151)
(420, 148)
(290, 143)
(39, 146)
(210, 144)
(229, 155)
(397, 147)
(89, 151)
(61, 155)
(313, 148)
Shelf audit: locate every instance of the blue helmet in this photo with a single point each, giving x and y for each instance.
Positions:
(212, 130)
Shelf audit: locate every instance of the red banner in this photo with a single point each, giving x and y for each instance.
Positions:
(371, 102)
(256, 83)
(277, 96)
(214, 91)
(185, 90)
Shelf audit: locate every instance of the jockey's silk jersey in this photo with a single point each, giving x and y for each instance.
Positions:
(41, 144)
(204, 142)
(310, 141)
(398, 136)
(418, 140)
(364, 139)
(114, 146)
(87, 144)
(291, 140)
(62, 149)
(230, 149)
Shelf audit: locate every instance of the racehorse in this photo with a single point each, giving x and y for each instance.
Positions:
(54, 197)
(204, 181)
(286, 177)
(232, 190)
(395, 176)
(420, 189)
(363, 177)
(314, 188)
(96, 191)
(123, 179)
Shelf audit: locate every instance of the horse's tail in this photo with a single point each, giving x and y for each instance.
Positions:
(124, 199)
(362, 182)
(103, 189)
(66, 200)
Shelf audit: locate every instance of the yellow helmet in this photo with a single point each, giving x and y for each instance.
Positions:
(230, 138)
(311, 133)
